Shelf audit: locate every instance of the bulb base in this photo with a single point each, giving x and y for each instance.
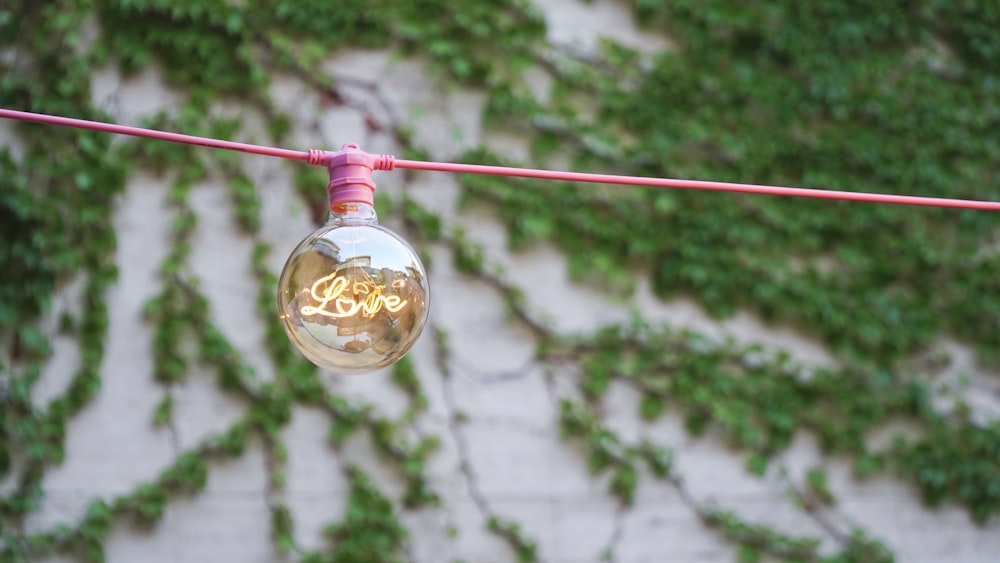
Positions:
(351, 174)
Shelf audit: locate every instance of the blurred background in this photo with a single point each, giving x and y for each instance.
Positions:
(608, 374)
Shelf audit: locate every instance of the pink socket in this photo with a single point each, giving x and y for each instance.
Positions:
(351, 174)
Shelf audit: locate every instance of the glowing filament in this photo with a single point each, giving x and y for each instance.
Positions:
(335, 303)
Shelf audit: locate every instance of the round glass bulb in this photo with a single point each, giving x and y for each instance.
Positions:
(353, 296)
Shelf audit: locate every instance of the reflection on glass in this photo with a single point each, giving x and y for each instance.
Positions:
(353, 296)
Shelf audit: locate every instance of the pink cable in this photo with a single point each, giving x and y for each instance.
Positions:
(387, 162)
(697, 185)
(153, 134)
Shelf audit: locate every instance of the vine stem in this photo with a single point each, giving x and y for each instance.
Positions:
(319, 157)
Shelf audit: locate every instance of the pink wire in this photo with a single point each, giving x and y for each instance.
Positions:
(318, 157)
(153, 134)
(697, 185)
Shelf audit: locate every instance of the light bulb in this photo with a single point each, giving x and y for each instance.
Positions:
(353, 296)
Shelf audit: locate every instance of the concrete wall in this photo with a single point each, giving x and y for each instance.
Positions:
(511, 443)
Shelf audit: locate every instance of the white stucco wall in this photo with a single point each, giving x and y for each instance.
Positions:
(521, 466)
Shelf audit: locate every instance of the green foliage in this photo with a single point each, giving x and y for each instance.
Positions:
(405, 377)
(781, 94)
(23, 226)
(756, 540)
(410, 458)
(757, 403)
(425, 224)
(370, 531)
(246, 201)
(957, 461)
(526, 550)
(282, 526)
(54, 230)
(164, 411)
(466, 43)
(468, 256)
(862, 548)
(816, 480)
(216, 35)
(902, 100)
(606, 452)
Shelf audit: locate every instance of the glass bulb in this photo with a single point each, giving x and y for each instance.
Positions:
(353, 296)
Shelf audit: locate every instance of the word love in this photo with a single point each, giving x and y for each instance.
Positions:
(365, 298)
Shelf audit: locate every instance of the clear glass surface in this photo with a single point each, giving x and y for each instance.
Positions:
(353, 296)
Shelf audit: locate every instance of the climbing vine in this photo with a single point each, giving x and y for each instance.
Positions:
(904, 100)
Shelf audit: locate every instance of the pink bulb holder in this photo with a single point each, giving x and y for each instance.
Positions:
(351, 174)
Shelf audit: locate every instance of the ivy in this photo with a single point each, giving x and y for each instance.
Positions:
(778, 94)
(606, 452)
(757, 540)
(757, 402)
(370, 530)
(825, 95)
(526, 550)
(405, 377)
